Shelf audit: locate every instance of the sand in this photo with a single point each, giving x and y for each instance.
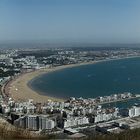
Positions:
(19, 90)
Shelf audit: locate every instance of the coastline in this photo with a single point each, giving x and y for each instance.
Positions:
(19, 89)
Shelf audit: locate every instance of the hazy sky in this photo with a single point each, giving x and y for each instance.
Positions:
(97, 21)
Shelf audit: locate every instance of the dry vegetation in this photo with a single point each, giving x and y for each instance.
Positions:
(126, 135)
(9, 131)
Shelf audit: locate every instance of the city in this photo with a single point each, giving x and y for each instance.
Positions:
(72, 117)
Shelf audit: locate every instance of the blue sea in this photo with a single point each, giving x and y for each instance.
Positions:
(90, 81)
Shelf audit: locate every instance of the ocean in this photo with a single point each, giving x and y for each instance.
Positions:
(90, 81)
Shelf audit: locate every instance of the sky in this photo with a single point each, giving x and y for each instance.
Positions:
(96, 21)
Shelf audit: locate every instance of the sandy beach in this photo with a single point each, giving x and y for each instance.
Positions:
(20, 91)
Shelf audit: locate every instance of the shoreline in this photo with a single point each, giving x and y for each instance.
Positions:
(19, 89)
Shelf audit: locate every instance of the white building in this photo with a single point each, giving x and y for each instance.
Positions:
(33, 122)
(103, 116)
(45, 123)
(24, 107)
(74, 121)
(134, 111)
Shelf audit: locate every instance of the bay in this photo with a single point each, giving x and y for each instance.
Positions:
(90, 81)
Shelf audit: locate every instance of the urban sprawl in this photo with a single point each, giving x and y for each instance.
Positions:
(74, 116)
